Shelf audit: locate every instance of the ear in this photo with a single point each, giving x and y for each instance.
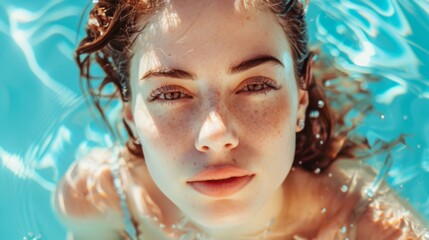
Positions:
(129, 118)
(303, 100)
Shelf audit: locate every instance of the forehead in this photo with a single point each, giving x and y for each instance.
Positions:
(186, 30)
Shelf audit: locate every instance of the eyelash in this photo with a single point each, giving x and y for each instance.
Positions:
(268, 85)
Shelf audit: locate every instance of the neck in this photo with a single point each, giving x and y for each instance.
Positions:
(258, 225)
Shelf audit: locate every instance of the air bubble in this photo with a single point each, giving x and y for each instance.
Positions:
(330, 175)
(320, 104)
(341, 29)
(31, 236)
(344, 188)
(314, 114)
(317, 136)
(327, 83)
(323, 210)
(382, 117)
(300, 162)
(344, 229)
(317, 170)
(369, 193)
(427, 235)
(321, 142)
(405, 117)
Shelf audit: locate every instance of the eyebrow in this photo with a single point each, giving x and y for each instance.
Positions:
(241, 67)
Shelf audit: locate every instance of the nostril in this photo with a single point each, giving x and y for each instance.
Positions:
(205, 148)
(228, 145)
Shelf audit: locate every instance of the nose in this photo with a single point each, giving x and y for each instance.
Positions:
(214, 136)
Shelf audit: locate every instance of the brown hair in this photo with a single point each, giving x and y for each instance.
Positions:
(109, 37)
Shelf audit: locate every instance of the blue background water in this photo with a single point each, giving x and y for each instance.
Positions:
(45, 124)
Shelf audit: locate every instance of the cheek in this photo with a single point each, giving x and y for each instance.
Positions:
(161, 129)
(268, 119)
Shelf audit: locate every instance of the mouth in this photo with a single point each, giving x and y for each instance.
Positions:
(220, 181)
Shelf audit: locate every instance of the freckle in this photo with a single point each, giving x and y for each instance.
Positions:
(195, 163)
(234, 160)
(256, 112)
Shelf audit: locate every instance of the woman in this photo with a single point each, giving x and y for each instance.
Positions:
(217, 98)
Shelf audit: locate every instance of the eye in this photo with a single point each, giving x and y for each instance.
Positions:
(167, 94)
(260, 85)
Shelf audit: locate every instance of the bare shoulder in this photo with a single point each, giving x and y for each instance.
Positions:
(383, 213)
(86, 198)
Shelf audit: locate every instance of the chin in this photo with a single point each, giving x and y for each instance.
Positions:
(221, 214)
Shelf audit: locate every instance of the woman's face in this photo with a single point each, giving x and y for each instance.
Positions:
(214, 96)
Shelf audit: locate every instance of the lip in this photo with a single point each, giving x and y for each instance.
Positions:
(220, 181)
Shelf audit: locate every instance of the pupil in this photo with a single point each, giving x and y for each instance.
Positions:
(255, 87)
(172, 95)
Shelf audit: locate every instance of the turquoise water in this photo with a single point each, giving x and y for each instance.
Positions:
(45, 124)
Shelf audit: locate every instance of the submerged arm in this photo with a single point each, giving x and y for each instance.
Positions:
(86, 200)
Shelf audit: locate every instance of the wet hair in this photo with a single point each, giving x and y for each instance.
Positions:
(112, 28)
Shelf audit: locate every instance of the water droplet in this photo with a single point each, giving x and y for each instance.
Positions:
(317, 170)
(317, 136)
(24, 238)
(344, 188)
(330, 175)
(382, 116)
(427, 235)
(314, 114)
(300, 162)
(293, 169)
(323, 210)
(327, 83)
(405, 117)
(334, 52)
(369, 193)
(155, 219)
(320, 104)
(162, 225)
(321, 142)
(352, 225)
(344, 229)
(30, 234)
(419, 146)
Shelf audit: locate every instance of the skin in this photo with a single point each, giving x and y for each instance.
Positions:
(216, 120)
(213, 123)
